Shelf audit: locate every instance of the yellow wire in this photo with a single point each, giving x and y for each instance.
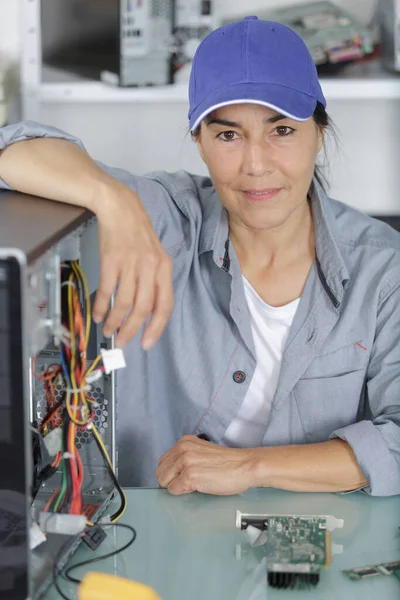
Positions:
(93, 365)
(82, 275)
(77, 269)
(75, 400)
(76, 266)
(101, 444)
(72, 336)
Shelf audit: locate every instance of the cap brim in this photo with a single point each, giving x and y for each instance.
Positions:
(286, 101)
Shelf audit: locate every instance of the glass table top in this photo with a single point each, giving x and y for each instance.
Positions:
(188, 547)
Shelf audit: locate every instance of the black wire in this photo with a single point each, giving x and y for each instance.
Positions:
(115, 481)
(59, 590)
(56, 571)
(90, 561)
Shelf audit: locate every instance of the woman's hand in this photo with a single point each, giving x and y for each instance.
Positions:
(131, 256)
(196, 465)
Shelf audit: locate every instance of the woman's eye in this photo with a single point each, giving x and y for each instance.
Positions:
(283, 130)
(227, 136)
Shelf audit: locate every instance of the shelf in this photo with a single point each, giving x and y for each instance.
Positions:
(355, 81)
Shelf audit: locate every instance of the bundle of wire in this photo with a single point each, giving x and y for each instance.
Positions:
(75, 410)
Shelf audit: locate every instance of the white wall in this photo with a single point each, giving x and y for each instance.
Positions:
(9, 29)
(9, 16)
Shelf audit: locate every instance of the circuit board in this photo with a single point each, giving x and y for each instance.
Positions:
(331, 34)
(388, 568)
(297, 549)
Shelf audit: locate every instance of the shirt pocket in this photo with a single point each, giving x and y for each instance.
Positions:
(330, 392)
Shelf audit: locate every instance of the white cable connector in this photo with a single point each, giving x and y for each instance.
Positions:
(53, 441)
(105, 520)
(36, 536)
(113, 359)
(94, 376)
(62, 523)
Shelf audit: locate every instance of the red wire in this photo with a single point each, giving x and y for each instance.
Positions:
(76, 503)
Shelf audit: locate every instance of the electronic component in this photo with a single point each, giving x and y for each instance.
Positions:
(62, 523)
(194, 20)
(331, 34)
(297, 547)
(388, 15)
(94, 537)
(113, 359)
(123, 42)
(56, 428)
(387, 568)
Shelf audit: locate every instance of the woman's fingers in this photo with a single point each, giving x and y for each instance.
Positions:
(108, 282)
(163, 306)
(143, 303)
(152, 294)
(123, 300)
(133, 261)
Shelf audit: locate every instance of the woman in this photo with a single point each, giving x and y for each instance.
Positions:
(283, 346)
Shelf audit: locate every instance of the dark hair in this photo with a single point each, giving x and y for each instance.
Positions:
(325, 124)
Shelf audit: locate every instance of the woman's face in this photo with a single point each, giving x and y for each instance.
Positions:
(260, 162)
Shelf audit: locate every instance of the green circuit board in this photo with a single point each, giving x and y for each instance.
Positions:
(388, 568)
(297, 549)
(296, 544)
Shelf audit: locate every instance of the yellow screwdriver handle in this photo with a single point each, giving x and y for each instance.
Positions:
(102, 586)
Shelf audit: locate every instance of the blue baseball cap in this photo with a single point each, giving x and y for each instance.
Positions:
(253, 61)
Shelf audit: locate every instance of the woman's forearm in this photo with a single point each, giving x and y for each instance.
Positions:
(325, 467)
(55, 169)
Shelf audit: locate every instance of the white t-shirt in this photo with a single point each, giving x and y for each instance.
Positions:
(270, 327)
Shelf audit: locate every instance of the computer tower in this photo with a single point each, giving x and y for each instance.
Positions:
(388, 16)
(194, 20)
(39, 241)
(122, 42)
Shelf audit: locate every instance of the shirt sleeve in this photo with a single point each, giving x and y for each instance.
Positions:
(29, 130)
(375, 441)
(167, 220)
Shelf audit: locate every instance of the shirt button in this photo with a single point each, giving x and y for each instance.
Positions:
(239, 376)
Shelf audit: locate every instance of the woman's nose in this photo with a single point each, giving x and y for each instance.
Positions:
(257, 159)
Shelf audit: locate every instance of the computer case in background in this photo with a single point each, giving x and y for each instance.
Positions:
(194, 20)
(388, 15)
(38, 239)
(123, 42)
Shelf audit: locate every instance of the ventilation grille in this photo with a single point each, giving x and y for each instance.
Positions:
(161, 9)
(100, 411)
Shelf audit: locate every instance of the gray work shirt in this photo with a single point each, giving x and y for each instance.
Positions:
(340, 372)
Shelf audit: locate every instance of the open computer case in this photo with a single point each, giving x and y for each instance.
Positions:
(38, 239)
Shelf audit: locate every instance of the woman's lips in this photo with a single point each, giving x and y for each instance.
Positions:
(261, 195)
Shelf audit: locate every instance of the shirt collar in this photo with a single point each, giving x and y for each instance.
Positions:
(332, 269)
(215, 228)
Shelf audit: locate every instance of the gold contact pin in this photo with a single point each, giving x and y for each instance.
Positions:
(328, 549)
